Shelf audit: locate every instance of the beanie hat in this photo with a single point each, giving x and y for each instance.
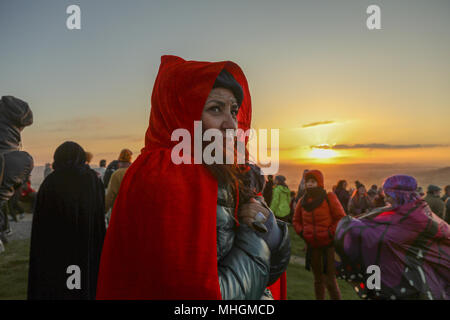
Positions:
(125, 155)
(402, 188)
(316, 175)
(433, 188)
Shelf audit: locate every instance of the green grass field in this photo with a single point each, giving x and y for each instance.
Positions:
(14, 273)
(14, 270)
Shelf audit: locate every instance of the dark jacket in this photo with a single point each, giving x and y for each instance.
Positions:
(15, 169)
(113, 166)
(447, 210)
(358, 205)
(246, 266)
(343, 196)
(268, 191)
(436, 204)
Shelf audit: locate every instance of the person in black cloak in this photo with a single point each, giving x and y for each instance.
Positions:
(68, 229)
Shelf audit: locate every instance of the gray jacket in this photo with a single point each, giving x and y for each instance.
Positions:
(245, 264)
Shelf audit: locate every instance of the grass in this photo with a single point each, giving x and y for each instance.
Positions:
(14, 270)
(14, 273)
(300, 285)
(297, 244)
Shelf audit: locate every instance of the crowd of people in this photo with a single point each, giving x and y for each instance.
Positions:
(316, 214)
(153, 229)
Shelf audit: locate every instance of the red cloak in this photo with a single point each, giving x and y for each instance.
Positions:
(161, 241)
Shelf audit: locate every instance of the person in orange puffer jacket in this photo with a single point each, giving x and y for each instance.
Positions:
(315, 219)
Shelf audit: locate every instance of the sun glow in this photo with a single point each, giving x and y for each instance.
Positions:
(322, 154)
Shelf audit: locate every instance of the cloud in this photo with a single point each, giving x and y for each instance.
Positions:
(318, 123)
(379, 146)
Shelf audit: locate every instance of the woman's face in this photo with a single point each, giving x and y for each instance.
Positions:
(220, 110)
(311, 183)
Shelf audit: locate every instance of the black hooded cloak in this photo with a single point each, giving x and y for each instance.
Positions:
(68, 228)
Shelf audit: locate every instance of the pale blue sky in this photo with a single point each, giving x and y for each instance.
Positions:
(306, 61)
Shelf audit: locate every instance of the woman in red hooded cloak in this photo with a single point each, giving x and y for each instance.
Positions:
(173, 233)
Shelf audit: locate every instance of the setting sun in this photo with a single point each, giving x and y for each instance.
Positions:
(319, 153)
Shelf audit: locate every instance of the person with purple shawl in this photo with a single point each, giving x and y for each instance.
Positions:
(406, 240)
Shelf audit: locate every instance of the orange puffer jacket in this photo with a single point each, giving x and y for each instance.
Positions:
(318, 226)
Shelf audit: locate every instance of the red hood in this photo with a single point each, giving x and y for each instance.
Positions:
(179, 95)
(161, 242)
(316, 174)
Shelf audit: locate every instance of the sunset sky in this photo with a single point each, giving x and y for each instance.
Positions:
(315, 72)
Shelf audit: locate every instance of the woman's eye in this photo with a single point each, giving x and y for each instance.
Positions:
(215, 109)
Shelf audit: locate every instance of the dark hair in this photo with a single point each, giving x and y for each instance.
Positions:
(103, 163)
(340, 184)
(227, 81)
(447, 187)
(358, 185)
(232, 175)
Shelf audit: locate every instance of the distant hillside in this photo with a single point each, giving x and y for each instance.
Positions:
(367, 173)
(440, 177)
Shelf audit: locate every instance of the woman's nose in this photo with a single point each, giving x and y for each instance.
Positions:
(228, 123)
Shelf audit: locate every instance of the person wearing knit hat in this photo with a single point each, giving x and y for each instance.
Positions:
(115, 181)
(125, 156)
(434, 200)
(315, 219)
(406, 240)
(124, 160)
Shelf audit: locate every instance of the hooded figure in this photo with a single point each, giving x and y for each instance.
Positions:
(68, 229)
(15, 115)
(281, 198)
(407, 241)
(15, 165)
(172, 233)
